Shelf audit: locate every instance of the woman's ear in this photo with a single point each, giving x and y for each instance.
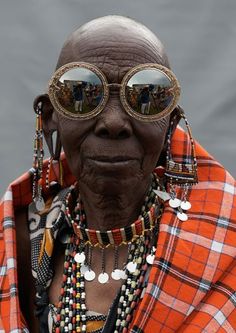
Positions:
(175, 118)
(49, 124)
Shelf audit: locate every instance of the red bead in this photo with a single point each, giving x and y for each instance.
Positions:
(128, 317)
(132, 305)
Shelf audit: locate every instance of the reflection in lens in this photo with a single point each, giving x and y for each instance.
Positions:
(149, 92)
(79, 91)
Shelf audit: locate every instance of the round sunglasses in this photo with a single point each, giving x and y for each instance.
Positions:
(80, 90)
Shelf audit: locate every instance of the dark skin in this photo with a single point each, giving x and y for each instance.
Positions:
(112, 192)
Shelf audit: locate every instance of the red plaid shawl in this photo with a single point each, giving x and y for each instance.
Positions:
(193, 280)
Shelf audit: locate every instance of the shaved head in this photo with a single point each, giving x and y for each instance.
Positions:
(110, 39)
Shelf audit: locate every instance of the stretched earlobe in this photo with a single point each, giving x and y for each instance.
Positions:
(49, 125)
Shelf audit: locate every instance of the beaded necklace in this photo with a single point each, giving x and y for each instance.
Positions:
(140, 236)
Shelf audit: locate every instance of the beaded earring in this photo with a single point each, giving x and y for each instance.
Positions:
(54, 174)
(38, 160)
(182, 174)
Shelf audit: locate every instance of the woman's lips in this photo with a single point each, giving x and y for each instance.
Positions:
(113, 162)
(112, 159)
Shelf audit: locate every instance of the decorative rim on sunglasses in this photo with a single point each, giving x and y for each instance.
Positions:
(163, 91)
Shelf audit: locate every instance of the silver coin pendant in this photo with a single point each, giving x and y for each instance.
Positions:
(89, 275)
(150, 259)
(103, 278)
(116, 274)
(131, 266)
(80, 258)
(39, 204)
(185, 205)
(182, 216)
(123, 275)
(84, 269)
(174, 203)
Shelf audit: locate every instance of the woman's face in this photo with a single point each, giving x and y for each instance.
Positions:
(112, 150)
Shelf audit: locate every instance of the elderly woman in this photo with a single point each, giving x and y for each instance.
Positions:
(124, 233)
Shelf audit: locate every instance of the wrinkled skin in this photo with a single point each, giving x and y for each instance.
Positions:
(113, 189)
(114, 45)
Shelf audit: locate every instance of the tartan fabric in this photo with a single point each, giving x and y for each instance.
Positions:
(192, 283)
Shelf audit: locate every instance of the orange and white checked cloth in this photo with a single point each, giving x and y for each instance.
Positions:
(192, 284)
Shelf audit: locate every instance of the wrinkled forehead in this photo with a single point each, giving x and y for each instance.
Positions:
(113, 49)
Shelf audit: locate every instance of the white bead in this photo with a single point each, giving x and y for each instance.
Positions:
(118, 322)
(121, 299)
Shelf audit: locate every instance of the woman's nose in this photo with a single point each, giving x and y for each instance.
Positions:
(113, 122)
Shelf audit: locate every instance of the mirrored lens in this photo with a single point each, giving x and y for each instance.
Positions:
(149, 92)
(79, 91)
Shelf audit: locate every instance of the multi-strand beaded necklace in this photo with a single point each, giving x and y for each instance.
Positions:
(141, 236)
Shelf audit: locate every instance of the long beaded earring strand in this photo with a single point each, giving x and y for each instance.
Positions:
(38, 160)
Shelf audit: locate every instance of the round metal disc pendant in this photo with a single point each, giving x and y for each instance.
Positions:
(150, 259)
(185, 205)
(89, 275)
(32, 207)
(131, 266)
(116, 274)
(80, 258)
(103, 278)
(174, 203)
(39, 204)
(123, 275)
(84, 269)
(182, 216)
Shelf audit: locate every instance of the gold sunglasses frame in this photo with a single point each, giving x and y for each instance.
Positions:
(53, 87)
